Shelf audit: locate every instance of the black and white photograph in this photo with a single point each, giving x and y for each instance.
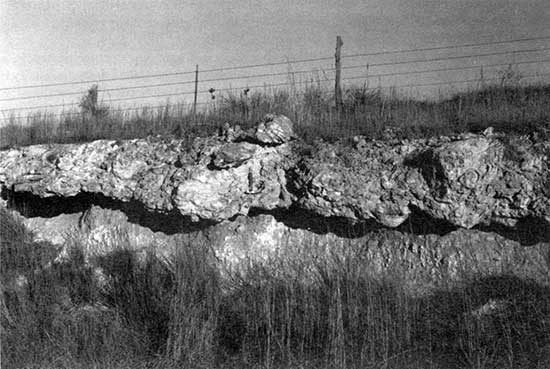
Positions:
(261, 184)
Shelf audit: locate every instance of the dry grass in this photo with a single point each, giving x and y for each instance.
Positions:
(509, 107)
(142, 312)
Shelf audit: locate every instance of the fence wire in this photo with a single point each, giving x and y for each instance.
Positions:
(293, 75)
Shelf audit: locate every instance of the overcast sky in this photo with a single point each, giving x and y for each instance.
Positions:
(68, 40)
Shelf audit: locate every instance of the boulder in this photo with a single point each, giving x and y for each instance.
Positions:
(275, 130)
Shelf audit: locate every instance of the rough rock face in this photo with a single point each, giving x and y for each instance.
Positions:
(275, 130)
(432, 211)
(466, 180)
(424, 262)
(470, 180)
(212, 180)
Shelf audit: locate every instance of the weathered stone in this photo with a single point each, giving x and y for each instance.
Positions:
(468, 180)
(232, 134)
(460, 176)
(258, 182)
(275, 130)
(212, 180)
(423, 262)
(233, 155)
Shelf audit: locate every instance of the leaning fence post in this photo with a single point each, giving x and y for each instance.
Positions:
(337, 85)
(196, 90)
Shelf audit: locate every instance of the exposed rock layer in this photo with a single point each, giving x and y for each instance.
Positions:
(431, 211)
(424, 262)
(467, 181)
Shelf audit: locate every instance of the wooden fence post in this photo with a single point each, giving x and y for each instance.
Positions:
(337, 86)
(196, 90)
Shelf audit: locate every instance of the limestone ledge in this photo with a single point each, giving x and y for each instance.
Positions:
(469, 180)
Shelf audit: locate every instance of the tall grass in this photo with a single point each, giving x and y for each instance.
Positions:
(124, 309)
(365, 111)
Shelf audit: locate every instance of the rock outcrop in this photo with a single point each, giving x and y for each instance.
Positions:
(424, 262)
(431, 210)
(471, 180)
(466, 180)
(213, 179)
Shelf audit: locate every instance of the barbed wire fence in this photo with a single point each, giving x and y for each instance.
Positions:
(473, 57)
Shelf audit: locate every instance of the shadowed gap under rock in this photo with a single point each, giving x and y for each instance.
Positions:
(30, 205)
(419, 223)
(528, 231)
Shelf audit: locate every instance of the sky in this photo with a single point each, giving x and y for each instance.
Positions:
(44, 42)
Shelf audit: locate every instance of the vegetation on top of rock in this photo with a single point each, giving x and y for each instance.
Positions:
(507, 108)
